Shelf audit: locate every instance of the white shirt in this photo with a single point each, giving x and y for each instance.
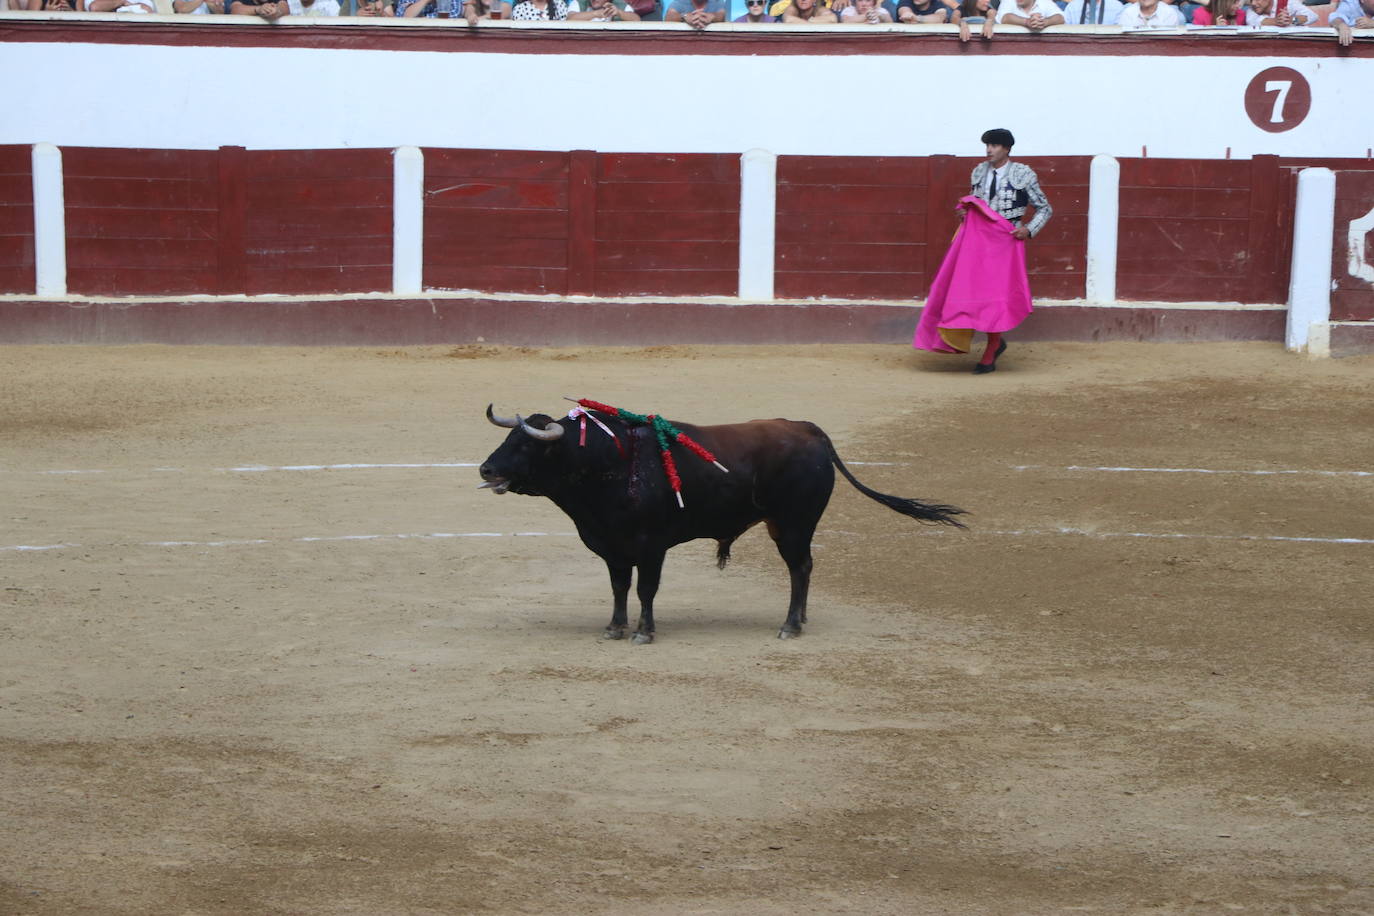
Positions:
(1111, 12)
(851, 14)
(1046, 8)
(318, 8)
(1165, 17)
(1301, 13)
(1001, 173)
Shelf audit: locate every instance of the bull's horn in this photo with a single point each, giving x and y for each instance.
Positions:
(503, 422)
(554, 431)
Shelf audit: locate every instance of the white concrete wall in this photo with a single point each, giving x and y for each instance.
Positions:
(194, 98)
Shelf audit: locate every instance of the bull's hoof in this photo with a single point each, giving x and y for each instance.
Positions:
(642, 639)
(789, 632)
(613, 632)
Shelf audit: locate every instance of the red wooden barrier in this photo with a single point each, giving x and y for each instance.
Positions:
(583, 223)
(851, 228)
(140, 222)
(1352, 297)
(163, 222)
(232, 257)
(666, 225)
(16, 220)
(496, 220)
(1057, 258)
(317, 221)
(1185, 232)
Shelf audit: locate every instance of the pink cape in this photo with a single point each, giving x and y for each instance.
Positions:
(981, 284)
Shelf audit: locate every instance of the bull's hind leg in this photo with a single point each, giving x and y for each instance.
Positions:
(620, 593)
(650, 570)
(794, 545)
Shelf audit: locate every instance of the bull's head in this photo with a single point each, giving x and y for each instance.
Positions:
(514, 464)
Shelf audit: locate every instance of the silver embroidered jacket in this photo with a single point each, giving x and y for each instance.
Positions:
(1020, 190)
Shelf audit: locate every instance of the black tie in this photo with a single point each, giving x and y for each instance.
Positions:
(992, 190)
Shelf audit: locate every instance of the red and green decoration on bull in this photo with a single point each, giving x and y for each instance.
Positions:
(665, 432)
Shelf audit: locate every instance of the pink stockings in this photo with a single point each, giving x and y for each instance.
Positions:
(991, 351)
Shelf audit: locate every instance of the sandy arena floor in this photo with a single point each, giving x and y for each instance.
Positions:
(237, 681)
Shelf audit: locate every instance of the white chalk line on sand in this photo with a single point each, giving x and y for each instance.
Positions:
(1166, 535)
(439, 535)
(263, 468)
(1254, 472)
(250, 542)
(266, 468)
(446, 465)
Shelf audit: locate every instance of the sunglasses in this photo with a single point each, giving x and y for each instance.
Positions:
(755, 3)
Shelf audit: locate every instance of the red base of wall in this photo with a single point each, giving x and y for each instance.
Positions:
(1352, 339)
(558, 322)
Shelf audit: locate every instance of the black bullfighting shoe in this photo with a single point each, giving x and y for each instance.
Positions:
(985, 368)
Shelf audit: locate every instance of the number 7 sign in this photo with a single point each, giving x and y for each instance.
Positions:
(1278, 99)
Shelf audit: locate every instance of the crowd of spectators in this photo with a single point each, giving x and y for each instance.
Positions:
(1036, 15)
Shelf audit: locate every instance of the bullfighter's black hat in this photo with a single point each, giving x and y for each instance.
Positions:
(999, 136)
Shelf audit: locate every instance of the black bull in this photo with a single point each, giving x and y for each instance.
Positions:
(779, 472)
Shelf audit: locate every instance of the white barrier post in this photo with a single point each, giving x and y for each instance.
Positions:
(408, 220)
(49, 221)
(1309, 283)
(1104, 215)
(758, 198)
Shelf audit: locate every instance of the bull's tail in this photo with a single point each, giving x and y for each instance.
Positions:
(931, 513)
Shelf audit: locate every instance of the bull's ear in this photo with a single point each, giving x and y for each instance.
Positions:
(548, 434)
(503, 422)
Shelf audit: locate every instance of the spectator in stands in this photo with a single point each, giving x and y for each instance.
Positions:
(121, 6)
(425, 9)
(922, 11)
(271, 10)
(756, 11)
(1223, 12)
(375, 8)
(976, 12)
(1036, 15)
(605, 11)
(1092, 12)
(1219, 12)
(696, 13)
(57, 6)
(1283, 13)
(198, 7)
(781, 6)
(808, 11)
(865, 12)
(1188, 8)
(474, 10)
(1150, 14)
(313, 7)
(1352, 14)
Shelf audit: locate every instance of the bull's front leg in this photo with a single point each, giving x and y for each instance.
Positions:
(650, 569)
(620, 594)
